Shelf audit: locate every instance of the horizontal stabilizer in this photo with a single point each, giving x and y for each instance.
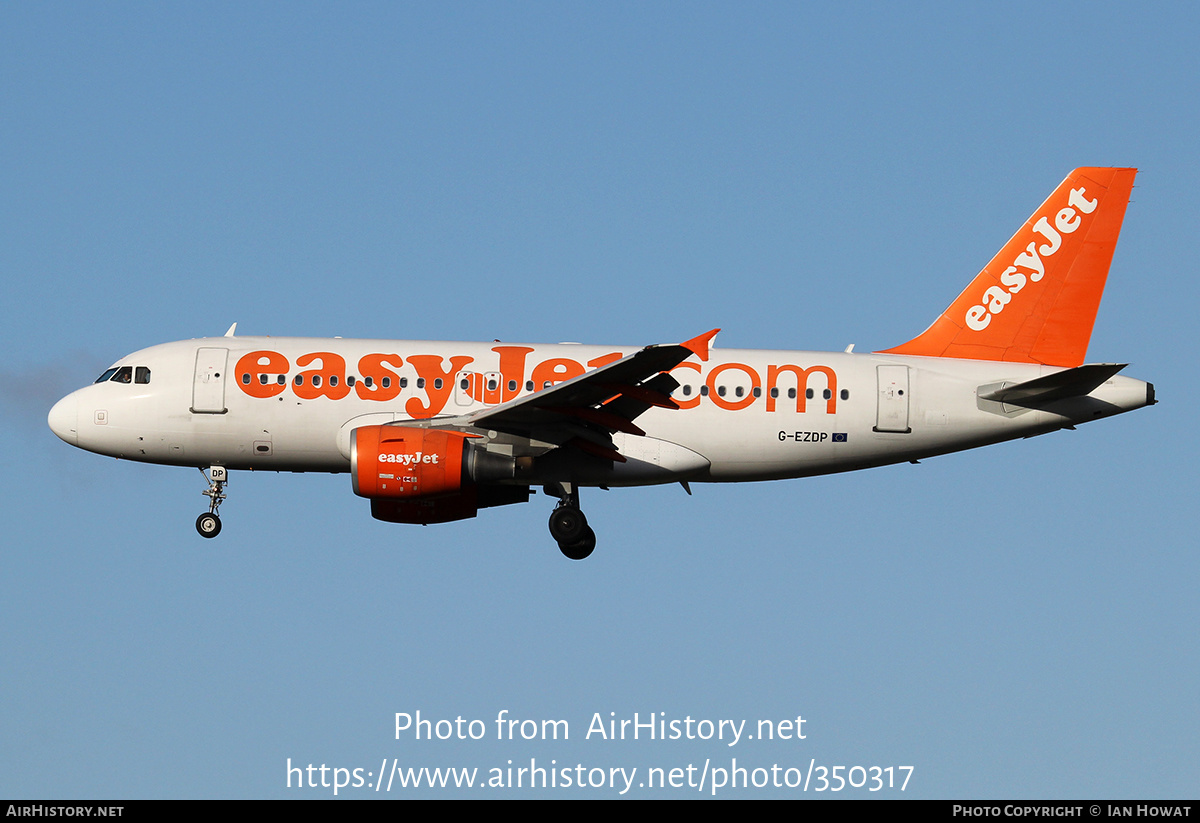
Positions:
(1077, 382)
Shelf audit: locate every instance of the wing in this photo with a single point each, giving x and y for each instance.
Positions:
(585, 411)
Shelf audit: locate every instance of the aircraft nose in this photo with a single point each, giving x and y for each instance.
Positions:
(64, 419)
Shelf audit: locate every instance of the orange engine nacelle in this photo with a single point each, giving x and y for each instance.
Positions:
(401, 462)
(428, 475)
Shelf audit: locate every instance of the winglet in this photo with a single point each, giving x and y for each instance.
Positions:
(232, 329)
(699, 345)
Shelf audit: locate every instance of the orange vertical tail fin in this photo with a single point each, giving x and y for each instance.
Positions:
(1036, 301)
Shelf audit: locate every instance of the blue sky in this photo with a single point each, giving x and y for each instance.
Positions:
(1012, 622)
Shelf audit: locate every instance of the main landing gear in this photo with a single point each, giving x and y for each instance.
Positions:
(568, 526)
(208, 524)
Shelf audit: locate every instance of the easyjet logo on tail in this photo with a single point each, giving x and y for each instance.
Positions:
(1030, 265)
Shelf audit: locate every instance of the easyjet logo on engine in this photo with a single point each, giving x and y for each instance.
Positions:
(1030, 265)
(408, 459)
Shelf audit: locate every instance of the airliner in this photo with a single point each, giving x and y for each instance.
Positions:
(432, 432)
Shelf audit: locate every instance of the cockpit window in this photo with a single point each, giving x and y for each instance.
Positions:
(125, 374)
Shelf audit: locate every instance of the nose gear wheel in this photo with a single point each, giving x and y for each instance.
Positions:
(208, 524)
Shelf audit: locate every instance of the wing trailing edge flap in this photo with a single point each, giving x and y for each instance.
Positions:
(1077, 382)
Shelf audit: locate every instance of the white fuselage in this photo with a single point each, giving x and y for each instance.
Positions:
(266, 403)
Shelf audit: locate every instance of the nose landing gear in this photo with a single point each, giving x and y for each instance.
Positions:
(209, 524)
(568, 526)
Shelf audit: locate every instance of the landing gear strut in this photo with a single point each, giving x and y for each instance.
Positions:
(208, 524)
(568, 526)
